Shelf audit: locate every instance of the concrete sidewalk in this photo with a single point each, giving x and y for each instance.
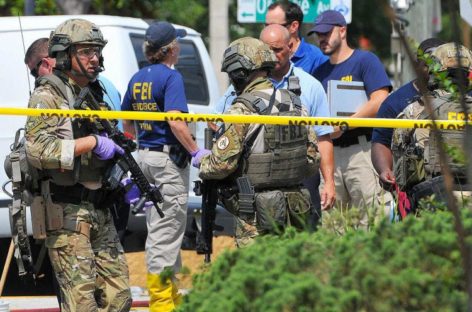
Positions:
(49, 303)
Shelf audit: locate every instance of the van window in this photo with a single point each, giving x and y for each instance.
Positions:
(189, 65)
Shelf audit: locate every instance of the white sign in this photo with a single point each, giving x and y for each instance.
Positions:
(466, 10)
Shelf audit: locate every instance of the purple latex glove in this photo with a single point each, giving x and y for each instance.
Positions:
(106, 148)
(198, 155)
(133, 194)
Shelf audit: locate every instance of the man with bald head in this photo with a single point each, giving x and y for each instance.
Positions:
(289, 15)
(312, 97)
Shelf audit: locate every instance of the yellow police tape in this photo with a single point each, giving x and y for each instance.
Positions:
(279, 120)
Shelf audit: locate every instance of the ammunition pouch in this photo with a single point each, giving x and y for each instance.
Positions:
(299, 208)
(271, 211)
(276, 209)
(246, 198)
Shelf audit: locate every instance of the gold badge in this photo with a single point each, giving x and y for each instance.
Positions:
(222, 142)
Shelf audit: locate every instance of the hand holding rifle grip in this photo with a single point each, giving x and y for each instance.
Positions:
(148, 193)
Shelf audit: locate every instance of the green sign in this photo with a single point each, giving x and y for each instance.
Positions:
(254, 11)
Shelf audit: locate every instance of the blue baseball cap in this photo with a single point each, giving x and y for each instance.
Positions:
(160, 34)
(326, 21)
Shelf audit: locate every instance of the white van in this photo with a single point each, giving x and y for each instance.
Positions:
(123, 57)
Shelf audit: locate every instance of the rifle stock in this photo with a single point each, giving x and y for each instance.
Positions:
(126, 161)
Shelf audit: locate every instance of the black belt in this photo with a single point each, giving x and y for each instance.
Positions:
(158, 148)
(351, 137)
(75, 194)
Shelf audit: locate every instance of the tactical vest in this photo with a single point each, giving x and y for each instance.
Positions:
(415, 151)
(87, 167)
(281, 160)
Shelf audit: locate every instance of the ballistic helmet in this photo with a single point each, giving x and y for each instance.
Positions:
(72, 32)
(248, 54)
(448, 56)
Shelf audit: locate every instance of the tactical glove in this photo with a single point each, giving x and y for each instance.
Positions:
(106, 148)
(198, 155)
(133, 193)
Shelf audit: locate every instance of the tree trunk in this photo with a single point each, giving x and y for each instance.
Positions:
(70, 7)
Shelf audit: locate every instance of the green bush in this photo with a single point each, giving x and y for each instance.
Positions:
(414, 265)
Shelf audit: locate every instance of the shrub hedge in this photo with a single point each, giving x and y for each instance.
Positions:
(414, 265)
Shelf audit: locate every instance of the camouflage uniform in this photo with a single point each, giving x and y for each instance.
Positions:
(83, 244)
(225, 160)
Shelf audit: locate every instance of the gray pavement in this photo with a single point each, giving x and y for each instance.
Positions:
(49, 303)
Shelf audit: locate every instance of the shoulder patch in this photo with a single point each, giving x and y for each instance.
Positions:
(222, 143)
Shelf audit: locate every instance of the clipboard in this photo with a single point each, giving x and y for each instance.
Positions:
(345, 97)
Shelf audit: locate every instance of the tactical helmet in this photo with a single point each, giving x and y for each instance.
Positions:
(449, 57)
(248, 54)
(72, 32)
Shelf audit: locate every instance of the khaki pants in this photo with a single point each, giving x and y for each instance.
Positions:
(165, 235)
(357, 182)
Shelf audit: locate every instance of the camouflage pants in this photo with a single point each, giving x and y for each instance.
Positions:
(245, 232)
(91, 271)
(274, 210)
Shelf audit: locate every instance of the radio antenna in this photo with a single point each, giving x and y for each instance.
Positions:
(24, 53)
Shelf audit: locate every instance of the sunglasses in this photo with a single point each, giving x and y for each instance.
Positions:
(90, 52)
(34, 71)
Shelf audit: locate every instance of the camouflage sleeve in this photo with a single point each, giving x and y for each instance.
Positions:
(49, 139)
(227, 149)
(313, 155)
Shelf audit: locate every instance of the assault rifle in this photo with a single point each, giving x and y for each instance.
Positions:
(125, 162)
(207, 189)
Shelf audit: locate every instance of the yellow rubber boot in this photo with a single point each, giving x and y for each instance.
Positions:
(160, 294)
(175, 294)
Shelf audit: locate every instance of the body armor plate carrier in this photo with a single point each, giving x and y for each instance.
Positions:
(283, 162)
